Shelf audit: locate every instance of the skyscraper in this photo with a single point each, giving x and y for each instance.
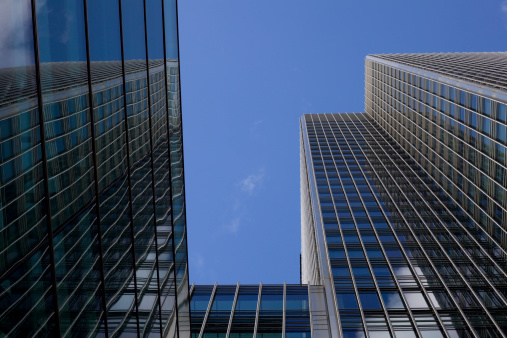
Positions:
(92, 212)
(403, 207)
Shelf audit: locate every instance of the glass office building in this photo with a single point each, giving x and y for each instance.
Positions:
(397, 256)
(92, 211)
(404, 208)
(448, 111)
(267, 311)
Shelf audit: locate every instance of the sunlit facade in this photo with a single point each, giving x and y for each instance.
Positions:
(92, 212)
(404, 208)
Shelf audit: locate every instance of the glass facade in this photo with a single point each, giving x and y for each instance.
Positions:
(92, 212)
(268, 311)
(397, 255)
(452, 121)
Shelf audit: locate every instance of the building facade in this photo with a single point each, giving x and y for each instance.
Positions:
(451, 120)
(403, 207)
(240, 311)
(92, 211)
(396, 255)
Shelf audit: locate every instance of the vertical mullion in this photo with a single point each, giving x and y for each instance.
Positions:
(154, 197)
(208, 310)
(127, 143)
(45, 167)
(284, 321)
(312, 331)
(259, 298)
(234, 302)
(95, 171)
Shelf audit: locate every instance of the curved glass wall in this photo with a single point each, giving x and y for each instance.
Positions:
(27, 304)
(87, 244)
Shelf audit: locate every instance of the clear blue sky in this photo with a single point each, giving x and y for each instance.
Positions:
(249, 69)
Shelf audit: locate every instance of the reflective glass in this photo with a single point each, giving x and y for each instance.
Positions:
(26, 294)
(67, 124)
(109, 124)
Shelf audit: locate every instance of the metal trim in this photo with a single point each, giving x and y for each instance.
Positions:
(210, 304)
(234, 302)
(284, 321)
(259, 297)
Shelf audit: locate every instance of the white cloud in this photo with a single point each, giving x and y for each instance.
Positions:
(233, 226)
(16, 36)
(248, 184)
(197, 260)
(256, 123)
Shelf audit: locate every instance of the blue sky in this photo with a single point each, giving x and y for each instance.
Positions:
(249, 69)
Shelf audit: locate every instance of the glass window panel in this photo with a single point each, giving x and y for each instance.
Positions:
(171, 29)
(272, 301)
(415, 300)
(223, 300)
(346, 300)
(200, 300)
(296, 301)
(247, 300)
(369, 300)
(392, 300)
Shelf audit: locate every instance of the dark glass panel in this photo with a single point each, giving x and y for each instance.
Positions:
(200, 299)
(22, 212)
(296, 299)
(104, 30)
(26, 297)
(369, 300)
(155, 28)
(133, 29)
(244, 314)
(161, 162)
(171, 29)
(218, 319)
(272, 298)
(346, 300)
(78, 275)
(199, 304)
(140, 161)
(64, 77)
(66, 107)
(110, 136)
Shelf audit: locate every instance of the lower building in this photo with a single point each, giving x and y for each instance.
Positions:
(237, 311)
